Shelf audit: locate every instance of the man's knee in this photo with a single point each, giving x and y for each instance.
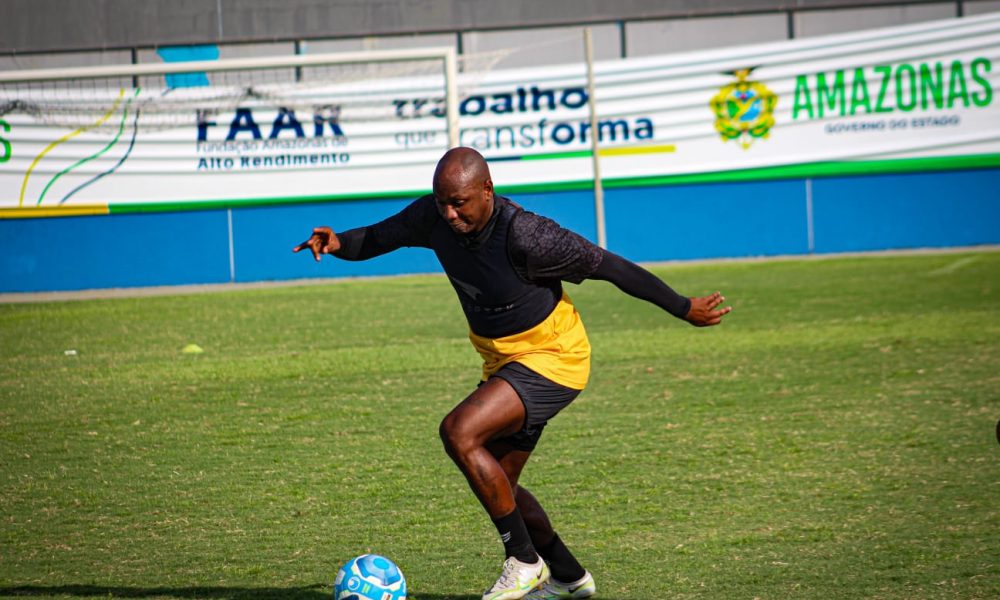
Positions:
(492, 410)
(455, 438)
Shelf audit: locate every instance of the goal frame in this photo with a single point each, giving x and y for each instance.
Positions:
(446, 54)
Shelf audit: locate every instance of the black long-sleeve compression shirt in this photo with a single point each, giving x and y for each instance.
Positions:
(539, 250)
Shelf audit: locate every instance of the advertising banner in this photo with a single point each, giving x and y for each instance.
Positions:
(918, 97)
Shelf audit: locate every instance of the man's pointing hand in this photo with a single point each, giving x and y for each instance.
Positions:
(323, 241)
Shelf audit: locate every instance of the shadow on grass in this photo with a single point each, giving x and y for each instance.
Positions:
(312, 592)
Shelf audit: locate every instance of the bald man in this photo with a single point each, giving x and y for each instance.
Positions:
(507, 266)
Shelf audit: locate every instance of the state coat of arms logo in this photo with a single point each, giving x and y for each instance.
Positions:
(744, 109)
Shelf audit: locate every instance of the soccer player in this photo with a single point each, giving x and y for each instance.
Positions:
(507, 266)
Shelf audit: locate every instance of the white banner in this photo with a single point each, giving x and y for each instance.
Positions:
(906, 98)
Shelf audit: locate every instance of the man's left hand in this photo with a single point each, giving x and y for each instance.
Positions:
(705, 310)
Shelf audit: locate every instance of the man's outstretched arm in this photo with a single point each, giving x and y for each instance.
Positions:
(408, 227)
(635, 281)
(541, 249)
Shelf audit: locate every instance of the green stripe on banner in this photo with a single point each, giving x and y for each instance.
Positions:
(557, 155)
(822, 169)
(143, 207)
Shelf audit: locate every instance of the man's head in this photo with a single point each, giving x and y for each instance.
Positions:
(463, 190)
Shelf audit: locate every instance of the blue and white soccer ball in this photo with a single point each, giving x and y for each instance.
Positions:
(369, 577)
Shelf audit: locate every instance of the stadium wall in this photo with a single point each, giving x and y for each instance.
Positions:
(678, 222)
(681, 222)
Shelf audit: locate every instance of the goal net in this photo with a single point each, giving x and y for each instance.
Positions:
(296, 127)
(334, 88)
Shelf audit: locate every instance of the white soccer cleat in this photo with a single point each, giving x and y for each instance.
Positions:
(518, 579)
(554, 590)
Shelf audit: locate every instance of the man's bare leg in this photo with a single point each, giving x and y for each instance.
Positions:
(492, 412)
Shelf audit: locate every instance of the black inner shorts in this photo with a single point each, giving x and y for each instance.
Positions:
(542, 399)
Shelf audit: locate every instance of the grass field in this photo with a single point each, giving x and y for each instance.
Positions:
(833, 439)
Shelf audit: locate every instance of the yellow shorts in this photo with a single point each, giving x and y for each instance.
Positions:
(557, 348)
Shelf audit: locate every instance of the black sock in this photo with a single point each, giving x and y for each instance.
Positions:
(562, 563)
(514, 536)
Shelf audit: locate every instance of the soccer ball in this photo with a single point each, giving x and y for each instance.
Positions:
(369, 577)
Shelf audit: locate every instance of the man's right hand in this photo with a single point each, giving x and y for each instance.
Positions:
(323, 241)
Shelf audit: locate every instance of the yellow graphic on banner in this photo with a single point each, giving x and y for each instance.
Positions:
(68, 136)
(744, 109)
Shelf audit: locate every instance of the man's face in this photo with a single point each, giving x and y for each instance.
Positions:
(464, 203)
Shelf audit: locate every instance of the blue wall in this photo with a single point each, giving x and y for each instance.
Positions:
(643, 224)
(907, 211)
(708, 221)
(73, 253)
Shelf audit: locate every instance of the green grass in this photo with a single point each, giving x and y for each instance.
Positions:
(833, 439)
